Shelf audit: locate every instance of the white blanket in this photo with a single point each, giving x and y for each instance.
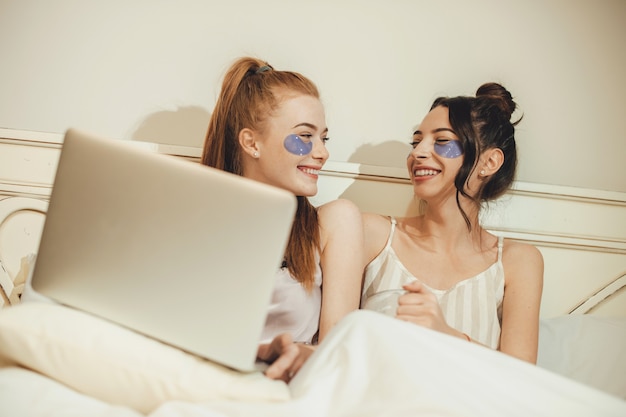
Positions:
(370, 365)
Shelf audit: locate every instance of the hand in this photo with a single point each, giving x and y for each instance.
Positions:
(420, 306)
(284, 356)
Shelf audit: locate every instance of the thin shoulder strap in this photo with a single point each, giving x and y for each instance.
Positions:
(500, 245)
(393, 229)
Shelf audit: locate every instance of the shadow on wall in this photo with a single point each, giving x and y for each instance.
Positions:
(184, 127)
(389, 197)
(392, 153)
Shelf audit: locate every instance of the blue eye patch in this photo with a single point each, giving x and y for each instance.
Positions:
(449, 149)
(295, 145)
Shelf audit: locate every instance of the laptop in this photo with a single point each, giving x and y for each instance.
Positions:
(167, 247)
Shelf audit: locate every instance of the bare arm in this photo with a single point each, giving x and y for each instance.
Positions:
(342, 261)
(523, 265)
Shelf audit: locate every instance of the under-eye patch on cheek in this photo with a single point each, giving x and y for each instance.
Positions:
(295, 145)
(450, 149)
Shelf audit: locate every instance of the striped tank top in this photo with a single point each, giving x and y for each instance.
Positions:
(472, 306)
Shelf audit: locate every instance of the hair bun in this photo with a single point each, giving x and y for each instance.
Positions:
(501, 95)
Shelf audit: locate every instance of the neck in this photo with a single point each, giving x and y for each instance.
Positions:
(445, 219)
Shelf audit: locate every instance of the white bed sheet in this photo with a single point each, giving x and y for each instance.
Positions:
(370, 365)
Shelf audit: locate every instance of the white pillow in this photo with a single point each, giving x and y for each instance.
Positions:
(116, 365)
(589, 349)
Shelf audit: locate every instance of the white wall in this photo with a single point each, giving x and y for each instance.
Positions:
(150, 70)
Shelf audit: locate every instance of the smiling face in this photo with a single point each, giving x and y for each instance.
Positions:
(290, 150)
(436, 156)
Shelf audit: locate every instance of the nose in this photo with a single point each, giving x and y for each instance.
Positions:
(319, 151)
(421, 150)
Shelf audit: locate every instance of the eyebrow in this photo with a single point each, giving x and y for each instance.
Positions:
(441, 129)
(310, 126)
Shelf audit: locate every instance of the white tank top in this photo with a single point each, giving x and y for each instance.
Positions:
(294, 310)
(472, 306)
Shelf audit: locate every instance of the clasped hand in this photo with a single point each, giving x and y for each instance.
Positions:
(420, 306)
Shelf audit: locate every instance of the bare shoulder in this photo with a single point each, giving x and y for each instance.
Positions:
(522, 259)
(519, 252)
(338, 204)
(338, 210)
(340, 223)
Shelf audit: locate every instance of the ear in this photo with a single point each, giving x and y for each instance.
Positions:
(248, 142)
(491, 161)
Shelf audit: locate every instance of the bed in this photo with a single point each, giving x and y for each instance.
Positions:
(55, 361)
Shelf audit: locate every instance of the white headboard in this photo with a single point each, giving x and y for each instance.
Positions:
(581, 232)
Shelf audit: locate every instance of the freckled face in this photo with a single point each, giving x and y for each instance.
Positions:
(292, 148)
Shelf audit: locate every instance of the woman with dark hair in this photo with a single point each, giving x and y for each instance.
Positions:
(441, 269)
(270, 126)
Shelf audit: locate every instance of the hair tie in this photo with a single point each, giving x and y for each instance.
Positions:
(263, 69)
